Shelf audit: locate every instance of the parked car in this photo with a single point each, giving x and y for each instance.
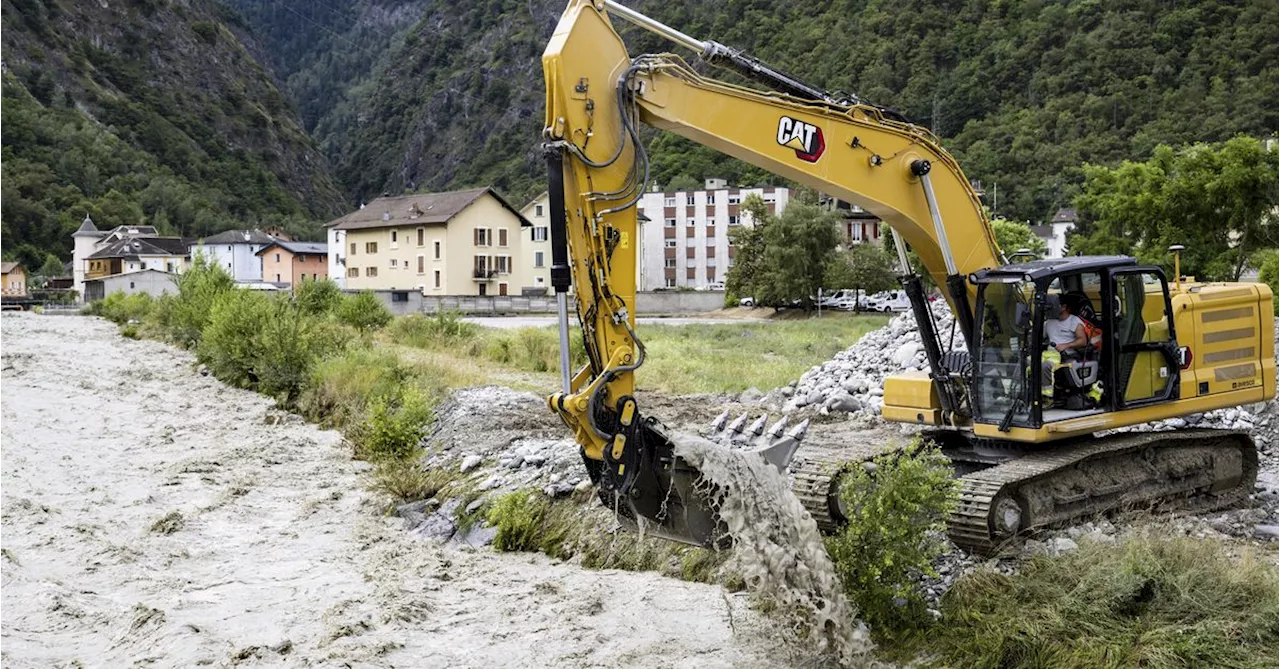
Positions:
(892, 300)
(747, 302)
(848, 303)
(715, 285)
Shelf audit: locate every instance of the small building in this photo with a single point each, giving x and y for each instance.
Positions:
(129, 253)
(235, 251)
(292, 263)
(13, 280)
(151, 281)
(1055, 233)
(466, 242)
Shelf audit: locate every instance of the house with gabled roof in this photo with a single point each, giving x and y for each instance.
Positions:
(465, 242)
(291, 263)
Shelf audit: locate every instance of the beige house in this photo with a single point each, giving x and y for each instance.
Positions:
(536, 240)
(465, 242)
(13, 279)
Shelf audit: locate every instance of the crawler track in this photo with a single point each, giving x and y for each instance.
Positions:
(1190, 469)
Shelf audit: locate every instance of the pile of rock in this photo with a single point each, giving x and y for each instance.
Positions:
(853, 381)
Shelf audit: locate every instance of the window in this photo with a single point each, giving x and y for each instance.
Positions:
(422, 237)
(502, 236)
(399, 296)
(481, 267)
(671, 283)
(539, 259)
(353, 272)
(711, 262)
(711, 198)
(437, 249)
(14, 283)
(735, 199)
(537, 210)
(734, 220)
(277, 278)
(437, 278)
(422, 264)
(277, 257)
(669, 202)
(371, 247)
(671, 222)
(483, 237)
(371, 271)
(670, 243)
(483, 289)
(688, 199)
(769, 199)
(540, 234)
(502, 264)
(671, 262)
(228, 249)
(691, 262)
(353, 248)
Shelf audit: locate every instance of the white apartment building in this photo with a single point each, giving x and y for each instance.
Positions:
(685, 241)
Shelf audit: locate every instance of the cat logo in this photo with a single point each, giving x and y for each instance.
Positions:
(806, 139)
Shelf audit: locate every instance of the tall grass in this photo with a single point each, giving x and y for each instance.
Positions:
(1147, 602)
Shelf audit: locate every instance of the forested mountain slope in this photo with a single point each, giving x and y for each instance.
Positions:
(1022, 92)
(150, 111)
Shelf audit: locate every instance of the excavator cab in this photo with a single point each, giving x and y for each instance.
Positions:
(1126, 356)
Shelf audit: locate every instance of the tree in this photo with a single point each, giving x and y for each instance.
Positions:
(798, 246)
(748, 244)
(1267, 262)
(1012, 236)
(1219, 201)
(864, 267)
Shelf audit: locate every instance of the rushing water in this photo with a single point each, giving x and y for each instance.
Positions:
(778, 547)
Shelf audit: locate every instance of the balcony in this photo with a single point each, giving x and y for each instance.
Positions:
(484, 274)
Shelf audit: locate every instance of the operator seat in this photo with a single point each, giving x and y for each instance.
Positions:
(1075, 379)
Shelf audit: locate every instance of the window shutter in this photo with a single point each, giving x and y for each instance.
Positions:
(502, 237)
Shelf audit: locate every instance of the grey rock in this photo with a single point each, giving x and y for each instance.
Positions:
(1063, 545)
(471, 462)
(475, 506)
(478, 537)
(1267, 532)
(515, 462)
(419, 507)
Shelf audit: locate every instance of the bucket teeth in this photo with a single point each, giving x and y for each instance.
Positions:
(776, 429)
(736, 426)
(798, 431)
(718, 424)
(757, 427)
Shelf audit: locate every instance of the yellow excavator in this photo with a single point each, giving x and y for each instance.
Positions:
(1026, 428)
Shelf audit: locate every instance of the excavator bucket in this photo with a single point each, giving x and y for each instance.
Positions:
(670, 498)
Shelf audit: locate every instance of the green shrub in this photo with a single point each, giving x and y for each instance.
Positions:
(341, 386)
(318, 297)
(528, 349)
(897, 520)
(393, 426)
(289, 345)
(120, 308)
(443, 328)
(198, 288)
(518, 517)
(229, 343)
(363, 311)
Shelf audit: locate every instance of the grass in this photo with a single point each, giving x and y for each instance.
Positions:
(696, 358)
(733, 357)
(1146, 602)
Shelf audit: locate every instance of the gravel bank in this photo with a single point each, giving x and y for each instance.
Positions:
(155, 516)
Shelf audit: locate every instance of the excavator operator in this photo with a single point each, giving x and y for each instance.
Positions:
(1066, 336)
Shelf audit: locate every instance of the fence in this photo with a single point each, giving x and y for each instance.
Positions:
(666, 302)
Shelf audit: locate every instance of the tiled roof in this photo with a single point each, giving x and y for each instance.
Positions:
(7, 267)
(400, 210)
(132, 247)
(308, 248)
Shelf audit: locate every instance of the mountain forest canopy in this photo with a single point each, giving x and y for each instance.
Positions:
(202, 116)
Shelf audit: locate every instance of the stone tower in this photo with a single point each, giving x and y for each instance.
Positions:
(86, 237)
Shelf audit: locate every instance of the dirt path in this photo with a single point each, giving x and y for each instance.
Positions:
(154, 516)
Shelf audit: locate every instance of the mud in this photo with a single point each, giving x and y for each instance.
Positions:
(777, 547)
(154, 516)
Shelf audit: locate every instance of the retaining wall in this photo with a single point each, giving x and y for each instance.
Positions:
(664, 302)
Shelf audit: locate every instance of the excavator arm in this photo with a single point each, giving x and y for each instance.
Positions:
(597, 98)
